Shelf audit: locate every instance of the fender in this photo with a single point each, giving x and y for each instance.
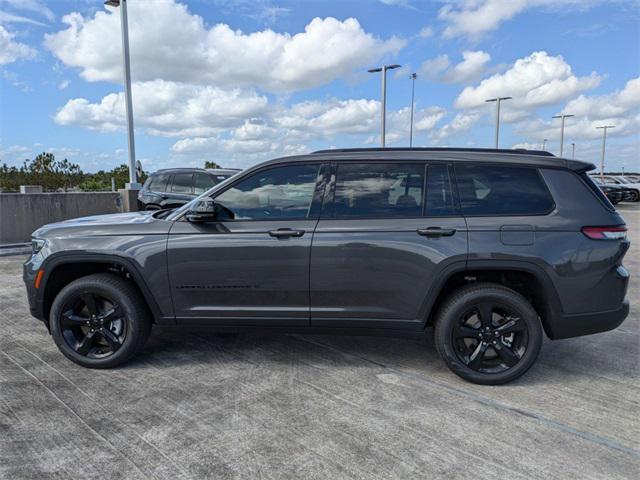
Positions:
(65, 258)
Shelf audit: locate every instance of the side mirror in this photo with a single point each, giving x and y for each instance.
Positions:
(204, 210)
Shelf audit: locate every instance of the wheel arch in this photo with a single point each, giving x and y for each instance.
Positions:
(526, 278)
(60, 270)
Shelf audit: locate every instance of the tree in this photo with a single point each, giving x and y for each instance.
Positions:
(210, 164)
(102, 180)
(43, 170)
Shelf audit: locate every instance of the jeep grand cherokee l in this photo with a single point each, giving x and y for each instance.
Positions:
(491, 247)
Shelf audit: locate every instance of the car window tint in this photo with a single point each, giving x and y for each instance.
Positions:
(497, 190)
(182, 183)
(158, 182)
(202, 183)
(379, 190)
(276, 193)
(440, 201)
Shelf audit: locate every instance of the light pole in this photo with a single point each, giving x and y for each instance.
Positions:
(413, 91)
(604, 142)
(573, 151)
(562, 117)
(544, 143)
(498, 100)
(383, 69)
(133, 181)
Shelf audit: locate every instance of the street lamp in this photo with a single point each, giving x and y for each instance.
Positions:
(498, 100)
(133, 182)
(562, 130)
(604, 141)
(544, 143)
(573, 151)
(413, 91)
(383, 69)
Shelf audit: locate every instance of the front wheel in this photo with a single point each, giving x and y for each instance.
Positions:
(99, 321)
(488, 334)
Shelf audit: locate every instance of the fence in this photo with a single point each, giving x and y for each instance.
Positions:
(21, 214)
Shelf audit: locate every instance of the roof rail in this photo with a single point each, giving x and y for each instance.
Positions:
(516, 151)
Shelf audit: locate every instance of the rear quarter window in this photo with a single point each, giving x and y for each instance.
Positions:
(487, 190)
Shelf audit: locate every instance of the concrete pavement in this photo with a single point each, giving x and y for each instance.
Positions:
(200, 405)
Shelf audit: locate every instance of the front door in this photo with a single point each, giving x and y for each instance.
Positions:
(251, 265)
(380, 246)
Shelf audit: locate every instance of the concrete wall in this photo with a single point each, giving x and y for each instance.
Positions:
(21, 214)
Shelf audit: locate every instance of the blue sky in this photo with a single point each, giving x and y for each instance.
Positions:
(239, 82)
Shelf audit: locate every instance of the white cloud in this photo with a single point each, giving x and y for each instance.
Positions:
(533, 81)
(6, 17)
(462, 122)
(433, 68)
(474, 18)
(10, 50)
(167, 108)
(619, 108)
(473, 64)
(426, 32)
(35, 6)
(63, 84)
(611, 105)
(327, 49)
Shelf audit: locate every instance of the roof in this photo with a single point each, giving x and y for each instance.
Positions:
(515, 151)
(489, 155)
(197, 169)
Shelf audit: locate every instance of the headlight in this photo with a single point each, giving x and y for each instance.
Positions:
(37, 244)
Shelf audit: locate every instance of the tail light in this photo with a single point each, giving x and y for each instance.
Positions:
(618, 232)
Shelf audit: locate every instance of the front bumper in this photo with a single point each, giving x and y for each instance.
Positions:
(588, 323)
(36, 303)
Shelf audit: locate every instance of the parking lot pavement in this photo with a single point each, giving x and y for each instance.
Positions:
(200, 405)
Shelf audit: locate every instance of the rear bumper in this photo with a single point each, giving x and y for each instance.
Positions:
(588, 323)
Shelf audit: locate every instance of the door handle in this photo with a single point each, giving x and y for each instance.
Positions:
(436, 232)
(286, 233)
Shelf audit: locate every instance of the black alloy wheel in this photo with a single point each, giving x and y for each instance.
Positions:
(100, 321)
(490, 338)
(93, 325)
(488, 333)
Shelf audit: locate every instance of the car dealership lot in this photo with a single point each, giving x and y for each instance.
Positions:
(201, 405)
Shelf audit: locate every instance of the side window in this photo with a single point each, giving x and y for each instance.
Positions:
(496, 190)
(276, 193)
(379, 190)
(182, 183)
(202, 183)
(158, 182)
(440, 201)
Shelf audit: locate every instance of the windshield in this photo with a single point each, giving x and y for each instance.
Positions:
(623, 180)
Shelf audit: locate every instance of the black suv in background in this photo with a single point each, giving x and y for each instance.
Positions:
(173, 187)
(491, 247)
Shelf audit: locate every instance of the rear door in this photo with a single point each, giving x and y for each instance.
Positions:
(387, 232)
(180, 191)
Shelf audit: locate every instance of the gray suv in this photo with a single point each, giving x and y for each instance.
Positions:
(491, 247)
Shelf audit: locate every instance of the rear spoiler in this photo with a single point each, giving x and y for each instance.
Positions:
(580, 167)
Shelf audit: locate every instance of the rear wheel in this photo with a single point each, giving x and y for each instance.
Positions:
(488, 334)
(99, 321)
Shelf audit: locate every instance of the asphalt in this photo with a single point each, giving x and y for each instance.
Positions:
(195, 404)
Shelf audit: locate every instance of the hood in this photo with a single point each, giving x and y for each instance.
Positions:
(133, 223)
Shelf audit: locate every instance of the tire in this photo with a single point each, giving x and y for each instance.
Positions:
(118, 330)
(635, 197)
(477, 353)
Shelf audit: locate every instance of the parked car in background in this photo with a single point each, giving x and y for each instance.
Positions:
(615, 193)
(620, 180)
(173, 187)
(493, 248)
